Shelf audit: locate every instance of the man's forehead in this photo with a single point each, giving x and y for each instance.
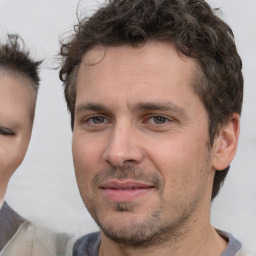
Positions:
(96, 54)
(154, 58)
(153, 65)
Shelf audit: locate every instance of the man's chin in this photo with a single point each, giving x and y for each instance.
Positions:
(131, 230)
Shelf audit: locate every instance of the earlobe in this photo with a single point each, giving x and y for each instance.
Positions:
(225, 144)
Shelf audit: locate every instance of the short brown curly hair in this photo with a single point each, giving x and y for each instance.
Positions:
(195, 30)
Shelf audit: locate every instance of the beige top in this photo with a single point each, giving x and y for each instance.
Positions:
(21, 237)
(31, 240)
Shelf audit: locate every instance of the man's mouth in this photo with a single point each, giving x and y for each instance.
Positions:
(125, 191)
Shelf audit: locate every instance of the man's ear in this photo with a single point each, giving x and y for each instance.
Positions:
(225, 144)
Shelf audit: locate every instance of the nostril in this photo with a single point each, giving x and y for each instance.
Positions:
(119, 159)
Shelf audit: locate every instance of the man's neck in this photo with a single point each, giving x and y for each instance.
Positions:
(195, 242)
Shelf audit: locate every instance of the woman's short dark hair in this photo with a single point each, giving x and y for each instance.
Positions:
(14, 57)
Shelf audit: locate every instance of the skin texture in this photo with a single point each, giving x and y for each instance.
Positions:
(139, 127)
(17, 103)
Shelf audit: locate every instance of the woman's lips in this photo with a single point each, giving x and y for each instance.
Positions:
(125, 191)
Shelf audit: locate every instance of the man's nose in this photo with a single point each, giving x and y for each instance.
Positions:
(123, 147)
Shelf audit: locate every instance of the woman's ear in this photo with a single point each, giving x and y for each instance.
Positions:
(225, 144)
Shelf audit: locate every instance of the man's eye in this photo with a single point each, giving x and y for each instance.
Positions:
(97, 120)
(158, 120)
(6, 131)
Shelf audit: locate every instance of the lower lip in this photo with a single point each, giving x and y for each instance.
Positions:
(120, 195)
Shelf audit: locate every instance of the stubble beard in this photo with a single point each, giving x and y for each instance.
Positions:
(150, 231)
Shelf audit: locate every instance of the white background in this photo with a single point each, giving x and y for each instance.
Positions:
(44, 187)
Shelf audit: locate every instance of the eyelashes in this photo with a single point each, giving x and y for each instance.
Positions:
(156, 119)
(97, 120)
(154, 122)
(6, 131)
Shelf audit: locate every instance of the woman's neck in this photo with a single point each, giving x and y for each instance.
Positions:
(1, 202)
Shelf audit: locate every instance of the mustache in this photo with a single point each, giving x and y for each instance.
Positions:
(128, 172)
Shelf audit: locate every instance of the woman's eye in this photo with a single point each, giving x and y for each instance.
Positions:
(6, 131)
(158, 120)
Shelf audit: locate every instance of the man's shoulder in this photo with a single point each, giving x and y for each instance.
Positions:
(87, 245)
(234, 247)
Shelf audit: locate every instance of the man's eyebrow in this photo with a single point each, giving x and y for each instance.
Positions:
(90, 106)
(144, 106)
(160, 106)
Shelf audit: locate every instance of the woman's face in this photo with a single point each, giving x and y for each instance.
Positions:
(17, 105)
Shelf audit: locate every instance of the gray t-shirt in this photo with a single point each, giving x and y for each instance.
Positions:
(88, 245)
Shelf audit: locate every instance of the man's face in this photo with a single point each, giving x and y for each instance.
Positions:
(17, 102)
(140, 142)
